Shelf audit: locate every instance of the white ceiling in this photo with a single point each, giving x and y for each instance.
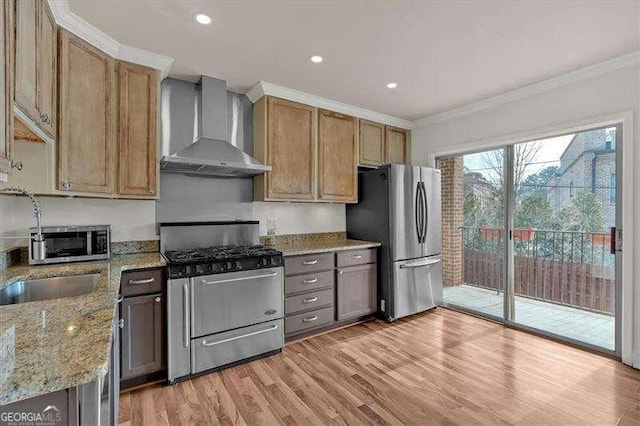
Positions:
(442, 54)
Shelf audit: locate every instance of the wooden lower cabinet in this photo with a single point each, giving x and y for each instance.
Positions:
(319, 297)
(356, 288)
(141, 336)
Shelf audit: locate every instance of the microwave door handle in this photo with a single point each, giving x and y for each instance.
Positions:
(89, 243)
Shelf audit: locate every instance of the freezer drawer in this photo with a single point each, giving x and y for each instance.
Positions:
(417, 285)
(224, 348)
(227, 301)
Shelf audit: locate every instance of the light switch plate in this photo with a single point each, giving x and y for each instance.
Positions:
(272, 225)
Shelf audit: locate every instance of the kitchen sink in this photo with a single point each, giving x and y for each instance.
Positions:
(48, 288)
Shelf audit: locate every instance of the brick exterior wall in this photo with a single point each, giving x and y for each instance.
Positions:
(452, 219)
(587, 153)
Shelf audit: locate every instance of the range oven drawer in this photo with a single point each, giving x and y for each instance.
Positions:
(224, 348)
(233, 300)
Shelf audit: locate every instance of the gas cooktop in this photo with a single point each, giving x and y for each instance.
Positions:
(220, 259)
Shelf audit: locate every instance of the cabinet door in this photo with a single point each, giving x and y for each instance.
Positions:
(47, 64)
(141, 339)
(291, 147)
(6, 84)
(396, 145)
(137, 135)
(371, 143)
(26, 57)
(356, 291)
(338, 157)
(86, 134)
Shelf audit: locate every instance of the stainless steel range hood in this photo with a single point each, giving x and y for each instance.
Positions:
(203, 134)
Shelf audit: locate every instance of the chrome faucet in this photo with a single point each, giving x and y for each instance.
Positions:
(36, 242)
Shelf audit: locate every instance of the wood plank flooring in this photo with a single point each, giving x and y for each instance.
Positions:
(439, 367)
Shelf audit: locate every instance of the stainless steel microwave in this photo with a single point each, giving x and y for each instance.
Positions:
(72, 243)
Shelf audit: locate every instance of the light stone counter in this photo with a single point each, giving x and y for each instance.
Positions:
(57, 344)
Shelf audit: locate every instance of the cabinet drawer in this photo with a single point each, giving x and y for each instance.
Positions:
(308, 263)
(308, 282)
(356, 257)
(304, 302)
(141, 282)
(308, 321)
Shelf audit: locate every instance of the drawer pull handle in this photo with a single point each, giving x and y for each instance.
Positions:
(310, 262)
(310, 319)
(145, 281)
(310, 281)
(357, 256)
(310, 300)
(231, 339)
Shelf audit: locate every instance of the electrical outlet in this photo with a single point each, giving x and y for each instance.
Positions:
(272, 225)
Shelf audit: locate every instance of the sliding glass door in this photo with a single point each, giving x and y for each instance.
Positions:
(564, 206)
(527, 235)
(473, 188)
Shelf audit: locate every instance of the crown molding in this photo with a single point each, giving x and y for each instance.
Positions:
(78, 26)
(533, 89)
(265, 88)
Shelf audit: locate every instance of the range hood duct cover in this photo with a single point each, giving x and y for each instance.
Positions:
(214, 152)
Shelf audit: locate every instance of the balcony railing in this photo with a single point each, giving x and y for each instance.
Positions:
(569, 268)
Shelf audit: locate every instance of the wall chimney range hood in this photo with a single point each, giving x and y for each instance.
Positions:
(214, 121)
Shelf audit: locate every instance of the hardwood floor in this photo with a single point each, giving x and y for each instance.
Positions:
(440, 367)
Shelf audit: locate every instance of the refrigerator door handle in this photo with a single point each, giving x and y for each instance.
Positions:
(418, 264)
(425, 214)
(418, 208)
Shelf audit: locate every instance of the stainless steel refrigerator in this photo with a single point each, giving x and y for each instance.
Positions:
(399, 205)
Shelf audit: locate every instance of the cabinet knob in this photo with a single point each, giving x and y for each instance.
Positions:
(121, 323)
(43, 117)
(66, 185)
(340, 271)
(158, 299)
(151, 190)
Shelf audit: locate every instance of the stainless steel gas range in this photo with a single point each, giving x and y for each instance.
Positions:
(225, 296)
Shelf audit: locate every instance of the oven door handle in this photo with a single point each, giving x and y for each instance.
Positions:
(185, 314)
(231, 339)
(229, 280)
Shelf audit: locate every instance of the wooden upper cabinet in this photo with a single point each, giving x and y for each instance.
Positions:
(137, 129)
(397, 146)
(36, 63)
(6, 83)
(371, 143)
(86, 140)
(337, 157)
(285, 138)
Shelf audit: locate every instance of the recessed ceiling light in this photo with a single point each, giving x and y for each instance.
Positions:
(316, 59)
(392, 85)
(201, 18)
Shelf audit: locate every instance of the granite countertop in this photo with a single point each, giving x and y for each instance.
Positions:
(61, 343)
(294, 248)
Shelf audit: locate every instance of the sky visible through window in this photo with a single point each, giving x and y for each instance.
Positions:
(549, 155)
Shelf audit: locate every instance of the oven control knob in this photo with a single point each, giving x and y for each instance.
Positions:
(238, 265)
(229, 265)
